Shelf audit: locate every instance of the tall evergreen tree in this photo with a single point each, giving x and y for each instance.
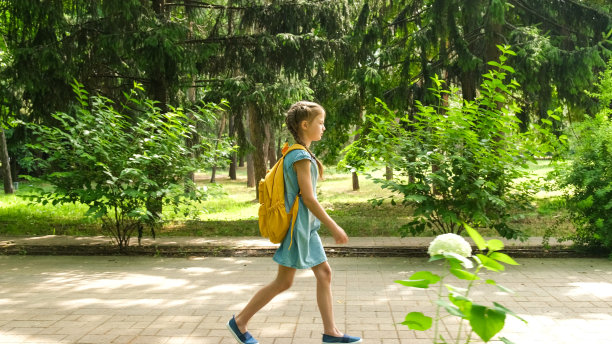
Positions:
(268, 50)
(560, 45)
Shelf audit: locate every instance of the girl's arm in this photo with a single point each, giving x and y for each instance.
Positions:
(302, 168)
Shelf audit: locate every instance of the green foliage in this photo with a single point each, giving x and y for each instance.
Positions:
(457, 162)
(485, 321)
(123, 160)
(588, 177)
(7, 96)
(604, 87)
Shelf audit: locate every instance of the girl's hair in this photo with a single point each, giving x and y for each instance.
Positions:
(303, 111)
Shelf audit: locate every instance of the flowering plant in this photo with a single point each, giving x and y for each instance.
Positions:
(456, 252)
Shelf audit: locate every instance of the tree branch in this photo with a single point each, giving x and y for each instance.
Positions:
(521, 4)
(217, 39)
(201, 4)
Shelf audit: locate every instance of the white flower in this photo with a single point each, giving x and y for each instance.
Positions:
(449, 243)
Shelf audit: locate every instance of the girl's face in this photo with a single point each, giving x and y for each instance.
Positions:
(313, 130)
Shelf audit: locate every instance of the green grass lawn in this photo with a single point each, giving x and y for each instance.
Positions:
(234, 211)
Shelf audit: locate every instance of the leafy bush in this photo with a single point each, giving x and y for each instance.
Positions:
(588, 181)
(456, 161)
(586, 176)
(124, 161)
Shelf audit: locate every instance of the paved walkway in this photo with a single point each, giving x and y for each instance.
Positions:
(149, 300)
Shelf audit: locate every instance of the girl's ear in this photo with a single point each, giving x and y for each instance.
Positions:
(304, 124)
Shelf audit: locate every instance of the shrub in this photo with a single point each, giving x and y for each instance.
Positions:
(456, 161)
(586, 176)
(588, 182)
(124, 161)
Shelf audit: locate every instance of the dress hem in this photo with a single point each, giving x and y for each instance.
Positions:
(299, 268)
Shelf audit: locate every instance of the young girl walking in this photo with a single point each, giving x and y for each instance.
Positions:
(305, 121)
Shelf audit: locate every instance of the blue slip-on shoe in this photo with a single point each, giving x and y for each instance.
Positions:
(344, 339)
(243, 338)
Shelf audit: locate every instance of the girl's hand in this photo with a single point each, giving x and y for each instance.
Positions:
(340, 235)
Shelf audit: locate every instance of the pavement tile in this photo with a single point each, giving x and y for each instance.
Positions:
(178, 300)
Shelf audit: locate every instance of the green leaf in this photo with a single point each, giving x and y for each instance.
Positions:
(455, 290)
(421, 279)
(501, 287)
(506, 310)
(486, 322)
(464, 275)
(436, 257)
(415, 198)
(451, 309)
(495, 245)
(461, 259)
(490, 264)
(417, 321)
(463, 303)
(502, 257)
(478, 240)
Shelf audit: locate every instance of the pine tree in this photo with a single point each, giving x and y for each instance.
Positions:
(268, 50)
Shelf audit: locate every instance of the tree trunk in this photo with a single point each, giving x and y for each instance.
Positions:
(260, 140)
(191, 96)
(14, 169)
(354, 175)
(493, 33)
(279, 147)
(271, 145)
(234, 156)
(219, 135)
(213, 174)
(232, 167)
(249, 158)
(469, 80)
(6, 165)
(388, 172)
(250, 171)
(469, 76)
(355, 178)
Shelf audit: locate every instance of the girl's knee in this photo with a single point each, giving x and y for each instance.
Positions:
(283, 284)
(323, 273)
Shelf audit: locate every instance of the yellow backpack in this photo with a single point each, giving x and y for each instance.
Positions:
(273, 218)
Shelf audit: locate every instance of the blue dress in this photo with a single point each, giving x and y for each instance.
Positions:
(307, 250)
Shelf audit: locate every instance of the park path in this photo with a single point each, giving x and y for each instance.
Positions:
(149, 300)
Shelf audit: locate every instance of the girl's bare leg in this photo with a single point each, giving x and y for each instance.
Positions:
(282, 282)
(323, 273)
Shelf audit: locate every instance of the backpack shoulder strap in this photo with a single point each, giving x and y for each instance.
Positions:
(292, 147)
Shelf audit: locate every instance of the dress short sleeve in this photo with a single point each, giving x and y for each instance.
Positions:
(291, 183)
(297, 155)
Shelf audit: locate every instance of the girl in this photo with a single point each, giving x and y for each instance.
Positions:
(305, 121)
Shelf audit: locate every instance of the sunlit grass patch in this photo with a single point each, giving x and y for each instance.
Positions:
(232, 211)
